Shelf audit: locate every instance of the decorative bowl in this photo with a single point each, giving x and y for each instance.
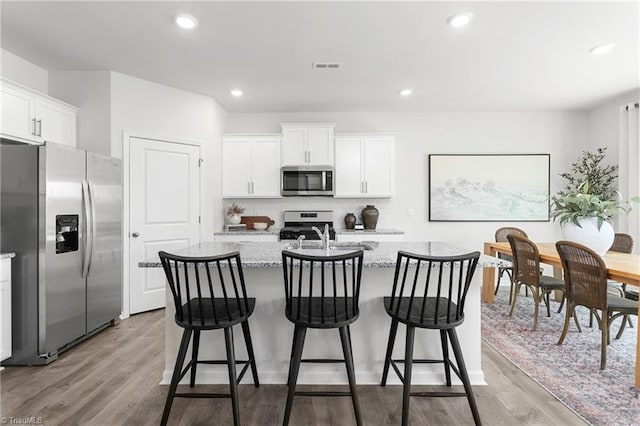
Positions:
(260, 226)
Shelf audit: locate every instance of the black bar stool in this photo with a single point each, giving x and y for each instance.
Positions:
(432, 298)
(209, 294)
(328, 301)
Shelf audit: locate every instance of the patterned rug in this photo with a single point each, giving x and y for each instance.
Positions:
(571, 372)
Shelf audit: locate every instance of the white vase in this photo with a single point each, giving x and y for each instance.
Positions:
(588, 234)
(234, 219)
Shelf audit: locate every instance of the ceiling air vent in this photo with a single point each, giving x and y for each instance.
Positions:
(326, 65)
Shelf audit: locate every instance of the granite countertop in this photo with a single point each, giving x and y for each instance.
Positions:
(370, 231)
(268, 255)
(7, 255)
(270, 231)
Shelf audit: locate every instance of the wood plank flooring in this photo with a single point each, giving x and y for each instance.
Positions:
(112, 379)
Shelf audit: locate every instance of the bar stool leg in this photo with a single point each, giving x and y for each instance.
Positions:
(387, 359)
(293, 379)
(182, 353)
(408, 364)
(296, 331)
(194, 357)
(348, 358)
(445, 356)
(233, 384)
(464, 376)
(252, 358)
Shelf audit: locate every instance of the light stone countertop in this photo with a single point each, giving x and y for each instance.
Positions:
(268, 254)
(7, 255)
(270, 231)
(370, 231)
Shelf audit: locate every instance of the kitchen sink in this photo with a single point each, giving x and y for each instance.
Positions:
(309, 245)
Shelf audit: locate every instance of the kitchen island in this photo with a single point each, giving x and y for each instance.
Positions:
(272, 333)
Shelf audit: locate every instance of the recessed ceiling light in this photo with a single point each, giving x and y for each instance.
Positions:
(601, 49)
(237, 93)
(187, 22)
(405, 92)
(460, 19)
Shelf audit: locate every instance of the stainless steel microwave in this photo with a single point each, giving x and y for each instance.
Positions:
(307, 180)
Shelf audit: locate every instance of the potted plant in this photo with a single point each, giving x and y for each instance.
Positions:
(587, 205)
(233, 213)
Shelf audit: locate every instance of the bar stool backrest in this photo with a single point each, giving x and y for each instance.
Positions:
(424, 286)
(207, 291)
(323, 288)
(585, 275)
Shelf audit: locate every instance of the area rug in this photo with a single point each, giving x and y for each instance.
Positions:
(571, 371)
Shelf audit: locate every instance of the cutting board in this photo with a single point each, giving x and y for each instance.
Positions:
(250, 220)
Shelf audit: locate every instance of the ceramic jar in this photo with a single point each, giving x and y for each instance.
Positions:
(234, 219)
(588, 234)
(370, 217)
(350, 221)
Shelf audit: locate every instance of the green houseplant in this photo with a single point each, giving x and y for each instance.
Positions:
(586, 206)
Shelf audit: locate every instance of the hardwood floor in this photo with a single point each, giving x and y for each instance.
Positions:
(112, 379)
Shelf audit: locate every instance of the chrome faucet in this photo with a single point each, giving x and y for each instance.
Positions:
(299, 239)
(325, 238)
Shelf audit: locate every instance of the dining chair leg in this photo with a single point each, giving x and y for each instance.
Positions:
(252, 357)
(408, 364)
(605, 341)
(562, 302)
(515, 298)
(194, 357)
(297, 356)
(445, 357)
(387, 359)
(182, 353)
(500, 272)
(348, 358)
(464, 376)
(536, 301)
(567, 318)
(233, 384)
(548, 302)
(625, 318)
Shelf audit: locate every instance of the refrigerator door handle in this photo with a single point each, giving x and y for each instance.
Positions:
(88, 239)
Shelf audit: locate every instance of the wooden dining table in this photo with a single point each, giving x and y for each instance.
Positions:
(621, 267)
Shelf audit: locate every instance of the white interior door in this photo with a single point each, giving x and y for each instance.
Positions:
(164, 212)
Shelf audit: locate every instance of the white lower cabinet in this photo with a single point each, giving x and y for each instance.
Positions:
(29, 116)
(365, 165)
(5, 305)
(251, 166)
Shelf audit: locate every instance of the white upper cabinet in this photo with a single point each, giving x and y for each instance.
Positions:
(307, 144)
(251, 166)
(29, 116)
(365, 165)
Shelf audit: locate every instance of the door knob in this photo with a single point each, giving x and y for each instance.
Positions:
(135, 234)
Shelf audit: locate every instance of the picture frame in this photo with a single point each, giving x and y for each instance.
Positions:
(489, 187)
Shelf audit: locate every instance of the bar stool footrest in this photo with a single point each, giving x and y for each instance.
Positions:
(202, 395)
(322, 393)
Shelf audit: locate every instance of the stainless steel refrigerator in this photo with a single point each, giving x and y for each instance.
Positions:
(61, 213)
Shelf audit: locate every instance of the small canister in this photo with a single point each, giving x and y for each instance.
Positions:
(350, 221)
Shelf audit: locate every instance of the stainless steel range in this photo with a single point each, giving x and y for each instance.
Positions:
(297, 223)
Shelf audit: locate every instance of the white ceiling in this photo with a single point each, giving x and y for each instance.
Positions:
(513, 56)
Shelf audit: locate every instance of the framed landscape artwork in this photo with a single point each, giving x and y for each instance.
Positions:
(489, 188)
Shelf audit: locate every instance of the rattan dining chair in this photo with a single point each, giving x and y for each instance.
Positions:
(585, 276)
(209, 293)
(501, 237)
(526, 271)
(432, 297)
(322, 292)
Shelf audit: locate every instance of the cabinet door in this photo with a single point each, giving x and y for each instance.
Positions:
(320, 146)
(17, 115)
(349, 177)
(294, 146)
(5, 305)
(236, 167)
(379, 166)
(265, 167)
(55, 122)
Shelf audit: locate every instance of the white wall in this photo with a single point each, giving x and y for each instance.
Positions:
(21, 71)
(561, 134)
(143, 108)
(603, 121)
(90, 91)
